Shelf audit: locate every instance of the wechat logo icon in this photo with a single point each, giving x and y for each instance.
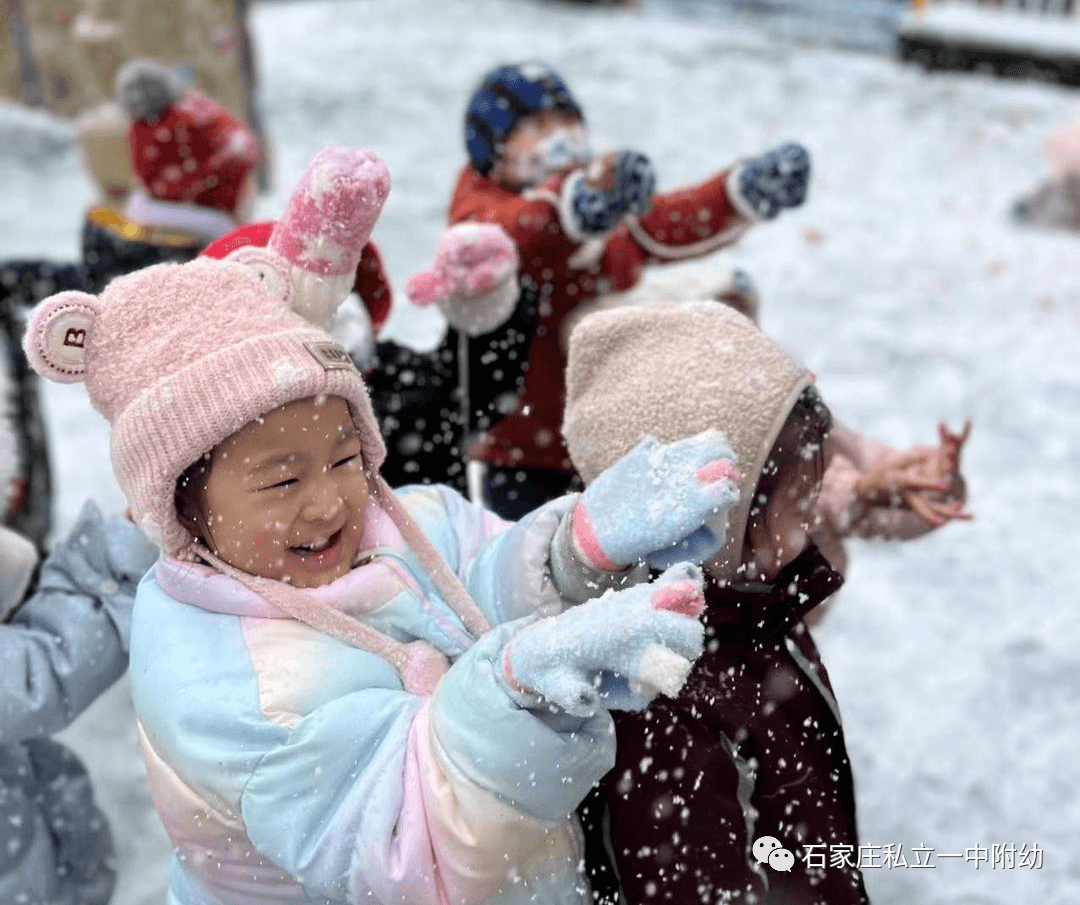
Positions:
(769, 850)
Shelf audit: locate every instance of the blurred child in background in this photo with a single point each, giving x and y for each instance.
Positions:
(583, 224)
(63, 642)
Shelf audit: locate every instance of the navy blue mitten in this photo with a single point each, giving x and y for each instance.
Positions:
(774, 181)
(597, 210)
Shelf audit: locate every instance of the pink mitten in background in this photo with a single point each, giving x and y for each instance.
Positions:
(473, 280)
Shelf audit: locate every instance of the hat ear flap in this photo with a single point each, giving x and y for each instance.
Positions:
(60, 330)
(272, 269)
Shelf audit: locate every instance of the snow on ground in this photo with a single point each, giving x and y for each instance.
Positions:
(901, 282)
(1016, 28)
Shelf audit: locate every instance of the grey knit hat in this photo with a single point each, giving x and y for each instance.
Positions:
(672, 370)
(146, 89)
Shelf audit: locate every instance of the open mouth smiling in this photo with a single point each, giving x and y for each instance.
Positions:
(319, 547)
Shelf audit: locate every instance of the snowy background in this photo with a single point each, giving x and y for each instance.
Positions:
(901, 282)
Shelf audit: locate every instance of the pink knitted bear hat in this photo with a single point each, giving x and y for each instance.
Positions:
(180, 356)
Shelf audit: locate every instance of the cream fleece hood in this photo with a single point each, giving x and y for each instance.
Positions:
(672, 370)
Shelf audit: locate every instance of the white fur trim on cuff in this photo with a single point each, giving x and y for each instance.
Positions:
(565, 207)
(475, 315)
(351, 326)
(731, 186)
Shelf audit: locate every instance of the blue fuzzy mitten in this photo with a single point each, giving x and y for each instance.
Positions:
(662, 503)
(773, 181)
(616, 652)
(597, 210)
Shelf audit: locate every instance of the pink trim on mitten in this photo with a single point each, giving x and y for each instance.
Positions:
(719, 470)
(587, 542)
(684, 597)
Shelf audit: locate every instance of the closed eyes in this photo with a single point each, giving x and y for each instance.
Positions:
(287, 482)
(347, 460)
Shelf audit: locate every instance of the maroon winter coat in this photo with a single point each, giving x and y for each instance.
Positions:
(685, 807)
(759, 697)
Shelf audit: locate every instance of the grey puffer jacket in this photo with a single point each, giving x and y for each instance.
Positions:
(64, 646)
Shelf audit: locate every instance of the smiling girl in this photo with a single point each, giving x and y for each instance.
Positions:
(346, 693)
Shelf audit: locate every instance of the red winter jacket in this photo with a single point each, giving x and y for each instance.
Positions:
(197, 152)
(568, 275)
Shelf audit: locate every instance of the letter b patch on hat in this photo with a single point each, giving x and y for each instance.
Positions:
(58, 333)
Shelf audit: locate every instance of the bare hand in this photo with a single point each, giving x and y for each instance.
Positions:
(925, 480)
(600, 174)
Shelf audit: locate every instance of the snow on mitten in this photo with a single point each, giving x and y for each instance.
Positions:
(327, 222)
(617, 651)
(473, 281)
(597, 209)
(762, 187)
(662, 503)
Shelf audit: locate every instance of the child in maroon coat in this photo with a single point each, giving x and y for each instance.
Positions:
(753, 746)
(583, 225)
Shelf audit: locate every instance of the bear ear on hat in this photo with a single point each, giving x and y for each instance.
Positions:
(58, 334)
(273, 271)
(247, 245)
